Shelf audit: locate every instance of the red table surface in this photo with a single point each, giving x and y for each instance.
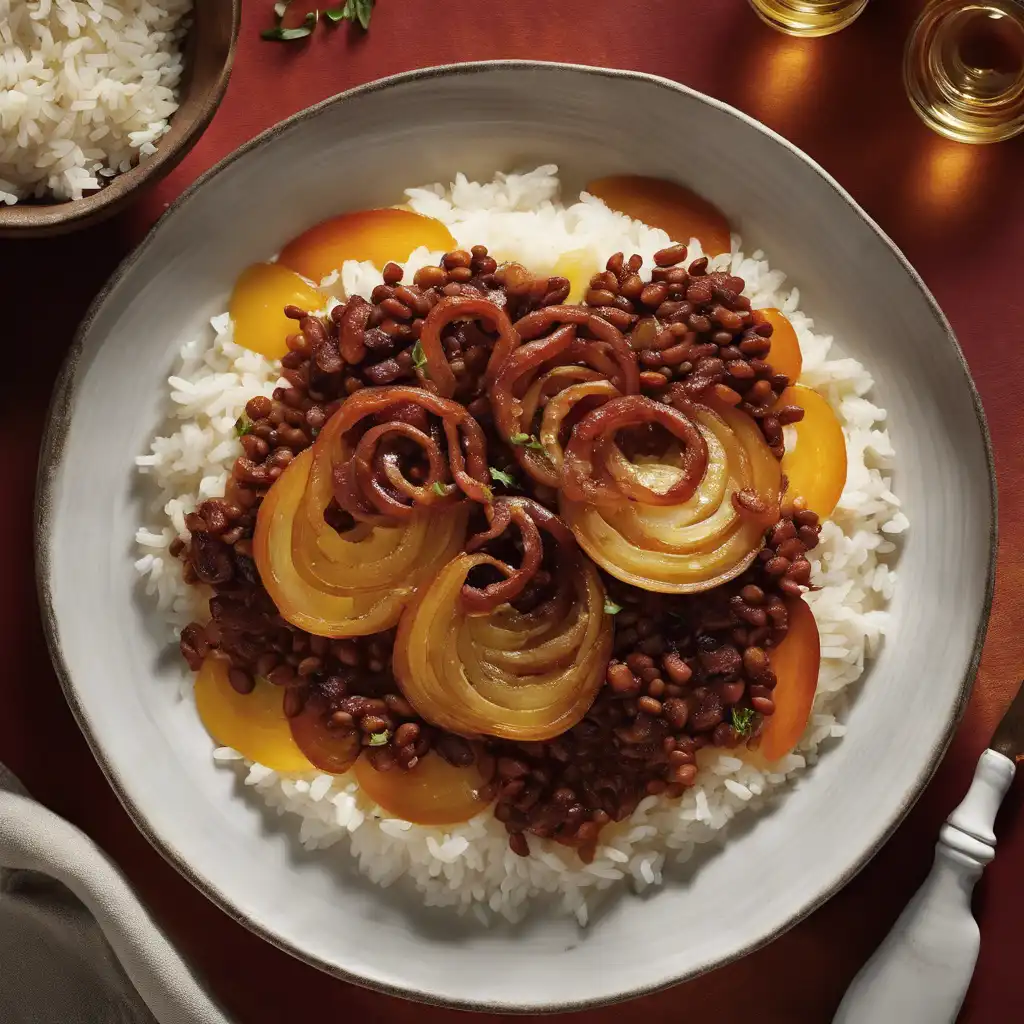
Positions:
(956, 211)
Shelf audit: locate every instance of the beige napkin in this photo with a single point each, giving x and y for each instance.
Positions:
(76, 946)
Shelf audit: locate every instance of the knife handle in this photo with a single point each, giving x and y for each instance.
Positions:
(920, 973)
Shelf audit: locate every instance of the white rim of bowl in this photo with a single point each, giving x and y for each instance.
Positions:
(51, 451)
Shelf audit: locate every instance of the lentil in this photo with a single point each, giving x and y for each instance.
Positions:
(680, 662)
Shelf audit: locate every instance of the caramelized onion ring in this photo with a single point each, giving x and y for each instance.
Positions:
(627, 376)
(531, 518)
(350, 498)
(342, 585)
(507, 407)
(551, 383)
(561, 406)
(361, 473)
(584, 477)
(698, 543)
(526, 676)
(459, 307)
(481, 600)
(373, 468)
(515, 395)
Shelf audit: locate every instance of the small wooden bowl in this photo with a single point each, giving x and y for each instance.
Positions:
(209, 53)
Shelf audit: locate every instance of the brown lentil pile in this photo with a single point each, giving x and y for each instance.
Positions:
(696, 326)
(687, 672)
(387, 327)
(353, 676)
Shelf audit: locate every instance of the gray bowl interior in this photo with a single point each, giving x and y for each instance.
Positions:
(362, 151)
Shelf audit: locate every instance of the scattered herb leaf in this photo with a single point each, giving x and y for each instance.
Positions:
(488, 494)
(242, 425)
(379, 739)
(356, 11)
(499, 476)
(743, 720)
(419, 358)
(526, 441)
(610, 607)
(279, 34)
(439, 488)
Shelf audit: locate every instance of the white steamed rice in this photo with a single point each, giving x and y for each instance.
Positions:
(86, 90)
(470, 866)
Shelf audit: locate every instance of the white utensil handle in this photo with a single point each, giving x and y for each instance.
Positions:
(920, 973)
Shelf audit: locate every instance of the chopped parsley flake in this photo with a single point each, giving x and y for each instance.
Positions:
(419, 358)
(526, 441)
(743, 720)
(499, 476)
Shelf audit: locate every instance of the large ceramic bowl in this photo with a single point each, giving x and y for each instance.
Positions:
(359, 150)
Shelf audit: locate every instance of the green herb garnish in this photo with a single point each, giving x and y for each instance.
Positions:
(610, 607)
(488, 494)
(526, 441)
(379, 739)
(439, 489)
(419, 358)
(280, 34)
(499, 476)
(243, 425)
(743, 720)
(356, 11)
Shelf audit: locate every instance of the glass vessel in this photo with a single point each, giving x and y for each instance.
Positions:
(808, 17)
(964, 68)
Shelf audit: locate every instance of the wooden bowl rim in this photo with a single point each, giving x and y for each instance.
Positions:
(23, 220)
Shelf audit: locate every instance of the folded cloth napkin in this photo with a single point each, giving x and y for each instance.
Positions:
(76, 946)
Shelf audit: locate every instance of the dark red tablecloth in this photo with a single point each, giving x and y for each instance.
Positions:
(956, 211)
